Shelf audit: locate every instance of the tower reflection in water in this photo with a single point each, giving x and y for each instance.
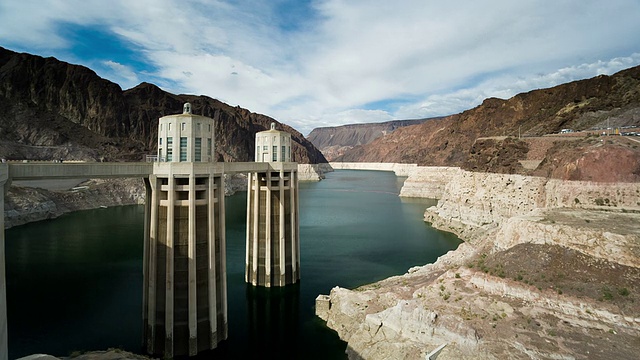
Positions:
(273, 315)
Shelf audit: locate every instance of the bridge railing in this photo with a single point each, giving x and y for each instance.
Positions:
(32, 171)
(81, 170)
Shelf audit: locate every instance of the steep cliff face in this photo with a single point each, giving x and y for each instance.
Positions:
(334, 141)
(48, 103)
(452, 141)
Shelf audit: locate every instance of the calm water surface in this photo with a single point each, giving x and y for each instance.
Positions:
(75, 283)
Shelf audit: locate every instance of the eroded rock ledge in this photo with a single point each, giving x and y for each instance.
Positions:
(549, 269)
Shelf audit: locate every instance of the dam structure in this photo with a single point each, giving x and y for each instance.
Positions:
(184, 297)
(273, 237)
(184, 291)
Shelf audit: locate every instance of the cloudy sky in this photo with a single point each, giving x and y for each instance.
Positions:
(312, 63)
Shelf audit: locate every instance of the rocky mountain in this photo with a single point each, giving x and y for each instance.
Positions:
(334, 141)
(50, 109)
(499, 135)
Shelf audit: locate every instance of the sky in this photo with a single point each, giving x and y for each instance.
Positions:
(315, 63)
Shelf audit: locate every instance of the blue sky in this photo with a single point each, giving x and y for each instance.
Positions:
(332, 62)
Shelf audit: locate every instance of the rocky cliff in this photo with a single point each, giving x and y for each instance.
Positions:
(50, 109)
(475, 139)
(334, 141)
(549, 269)
(28, 204)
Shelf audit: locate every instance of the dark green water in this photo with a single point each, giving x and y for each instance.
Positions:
(75, 283)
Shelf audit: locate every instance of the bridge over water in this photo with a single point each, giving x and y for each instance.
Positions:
(179, 190)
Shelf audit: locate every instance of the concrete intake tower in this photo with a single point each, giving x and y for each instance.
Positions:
(185, 292)
(273, 239)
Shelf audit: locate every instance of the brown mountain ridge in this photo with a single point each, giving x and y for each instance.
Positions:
(51, 109)
(334, 141)
(502, 135)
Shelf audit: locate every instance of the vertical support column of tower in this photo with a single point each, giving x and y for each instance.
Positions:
(185, 310)
(273, 240)
(4, 343)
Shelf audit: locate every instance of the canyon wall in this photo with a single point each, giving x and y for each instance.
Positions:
(549, 269)
(313, 172)
(477, 202)
(334, 141)
(50, 109)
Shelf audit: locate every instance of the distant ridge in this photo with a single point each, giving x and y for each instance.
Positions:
(333, 141)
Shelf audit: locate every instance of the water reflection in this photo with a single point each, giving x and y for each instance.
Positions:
(273, 320)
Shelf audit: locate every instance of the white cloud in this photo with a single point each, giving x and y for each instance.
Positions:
(447, 55)
(509, 84)
(121, 74)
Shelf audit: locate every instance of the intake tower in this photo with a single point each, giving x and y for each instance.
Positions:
(185, 292)
(273, 239)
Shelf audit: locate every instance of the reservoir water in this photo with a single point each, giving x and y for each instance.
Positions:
(75, 283)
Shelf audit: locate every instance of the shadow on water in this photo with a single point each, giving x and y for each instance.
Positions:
(273, 319)
(272, 328)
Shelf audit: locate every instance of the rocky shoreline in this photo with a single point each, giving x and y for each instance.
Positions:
(28, 204)
(549, 270)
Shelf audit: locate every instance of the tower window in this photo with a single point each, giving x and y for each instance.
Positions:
(183, 149)
(169, 149)
(183, 126)
(274, 154)
(282, 158)
(198, 149)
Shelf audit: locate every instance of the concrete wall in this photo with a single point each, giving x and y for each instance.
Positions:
(399, 169)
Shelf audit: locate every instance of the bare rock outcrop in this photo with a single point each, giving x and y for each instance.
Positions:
(313, 172)
(29, 204)
(549, 270)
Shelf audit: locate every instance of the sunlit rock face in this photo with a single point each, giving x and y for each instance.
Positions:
(549, 269)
